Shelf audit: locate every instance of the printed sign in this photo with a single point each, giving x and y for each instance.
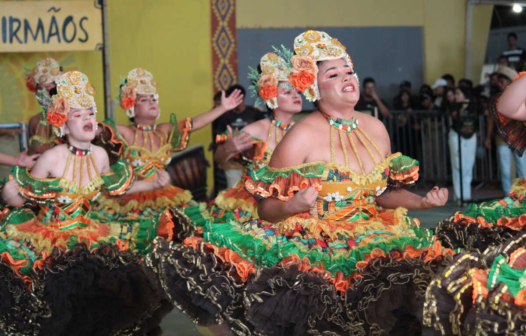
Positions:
(29, 26)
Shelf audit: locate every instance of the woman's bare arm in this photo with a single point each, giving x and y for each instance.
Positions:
(512, 103)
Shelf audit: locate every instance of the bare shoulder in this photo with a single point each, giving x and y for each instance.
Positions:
(377, 131)
(54, 154)
(306, 127)
(368, 122)
(296, 144)
(126, 132)
(165, 127)
(50, 162)
(258, 129)
(101, 156)
(98, 150)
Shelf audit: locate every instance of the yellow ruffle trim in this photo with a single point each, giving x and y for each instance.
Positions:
(42, 243)
(401, 225)
(159, 204)
(519, 186)
(232, 202)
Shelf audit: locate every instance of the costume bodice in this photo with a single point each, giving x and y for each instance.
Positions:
(63, 204)
(144, 159)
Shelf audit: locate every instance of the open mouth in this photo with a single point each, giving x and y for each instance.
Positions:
(348, 88)
(88, 127)
(297, 102)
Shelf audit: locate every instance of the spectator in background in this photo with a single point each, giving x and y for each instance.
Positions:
(237, 118)
(505, 78)
(515, 56)
(403, 101)
(463, 141)
(450, 80)
(438, 88)
(467, 83)
(406, 136)
(427, 91)
(369, 100)
(405, 86)
(492, 85)
(217, 99)
(426, 103)
(448, 101)
(503, 60)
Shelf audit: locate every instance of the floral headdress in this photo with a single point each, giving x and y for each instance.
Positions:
(139, 81)
(74, 91)
(311, 47)
(275, 67)
(47, 70)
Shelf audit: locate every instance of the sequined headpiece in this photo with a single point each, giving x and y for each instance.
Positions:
(317, 46)
(47, 70)
(74, 91)
(139, 81)
(275, 67)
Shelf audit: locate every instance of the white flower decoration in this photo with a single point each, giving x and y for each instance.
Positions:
(334, 197)
(64, 199)
(137, 163)
(380, 191)
(96, 196)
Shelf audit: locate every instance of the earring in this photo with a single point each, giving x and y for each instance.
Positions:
(131, 112)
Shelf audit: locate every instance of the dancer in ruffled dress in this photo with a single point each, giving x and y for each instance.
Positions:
(335, 252)
(148, 148)
(254, 144)
(62, 272)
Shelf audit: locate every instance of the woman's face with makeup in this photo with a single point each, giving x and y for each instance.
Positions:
(146, 105)
(289, 99)
(337, 83)
(81, 124)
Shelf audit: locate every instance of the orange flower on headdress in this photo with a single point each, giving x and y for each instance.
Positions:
(57, 115)
(302, 80)
(60, 106)
(303, 63)
(127, 102)
(268, 92)
(55, 119)
(267, 80)
(128, 91)
(128, 97)
(30, 83)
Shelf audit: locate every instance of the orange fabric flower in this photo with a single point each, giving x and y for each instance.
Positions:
(127, 102)
(302, 80)
(268, 92)
(128, 91)
(30, 83)
(303, 63)
(267, 80)
(56, 119)
(60, 106)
